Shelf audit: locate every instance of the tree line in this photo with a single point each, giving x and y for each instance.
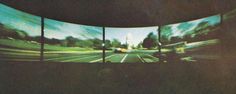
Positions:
(9, 33)
(6, 32)
(75, 42)
(150, 42)
(203, 31)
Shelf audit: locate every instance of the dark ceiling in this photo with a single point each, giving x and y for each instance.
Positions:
(123, 13)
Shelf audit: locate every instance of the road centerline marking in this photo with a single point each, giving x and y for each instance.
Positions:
(123, 59)
(141, 59)
(155, 58)
(101, 58)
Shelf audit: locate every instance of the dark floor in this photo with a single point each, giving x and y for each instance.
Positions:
(160, 78)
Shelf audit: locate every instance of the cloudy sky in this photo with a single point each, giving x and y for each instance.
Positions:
(61, 30)
(15, 19)
(181, 29)
(19, 20)
(136, 35)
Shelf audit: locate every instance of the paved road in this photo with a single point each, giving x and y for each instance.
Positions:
(135, 56)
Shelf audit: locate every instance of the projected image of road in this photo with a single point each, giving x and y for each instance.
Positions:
(66, 42)
(192, 41)
(19, 35)
(131, 45)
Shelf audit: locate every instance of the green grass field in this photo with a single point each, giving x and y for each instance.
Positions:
(19, 50)
(48, 47)
(54, 53)
(20, 44)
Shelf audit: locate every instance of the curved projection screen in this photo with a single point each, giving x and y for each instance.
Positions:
(19, 35)
(66, 42)
(191, 41)
(130, 45)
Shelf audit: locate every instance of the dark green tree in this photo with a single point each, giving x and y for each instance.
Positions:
(97, 43)
(150, 41)
(139, 45)
(108, 44)
(175, 39)
(116, 43)
(84, 43)
(70, 41)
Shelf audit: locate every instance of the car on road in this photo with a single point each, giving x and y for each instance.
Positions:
(120, 50)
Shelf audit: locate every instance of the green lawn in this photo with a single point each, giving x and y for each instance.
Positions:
(27, 45)
(48, 47)
(20, 44)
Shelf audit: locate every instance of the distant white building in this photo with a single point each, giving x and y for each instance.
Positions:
(129, 41)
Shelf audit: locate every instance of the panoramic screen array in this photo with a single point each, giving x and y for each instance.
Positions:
(192, 41)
